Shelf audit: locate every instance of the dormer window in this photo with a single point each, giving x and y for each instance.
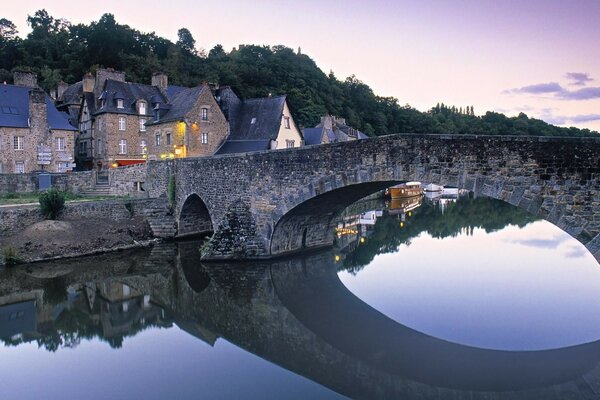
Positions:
(142, 108)
(119, 103)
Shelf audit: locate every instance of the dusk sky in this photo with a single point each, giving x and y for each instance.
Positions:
(541, 57)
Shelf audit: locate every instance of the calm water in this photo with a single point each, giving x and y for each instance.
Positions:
(444, 299)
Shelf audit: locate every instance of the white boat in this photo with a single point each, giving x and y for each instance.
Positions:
(432, 187)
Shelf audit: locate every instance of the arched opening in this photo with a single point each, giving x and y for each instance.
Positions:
(309, 225)
(194, 218)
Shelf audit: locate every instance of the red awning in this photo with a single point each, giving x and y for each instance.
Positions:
(123, 163)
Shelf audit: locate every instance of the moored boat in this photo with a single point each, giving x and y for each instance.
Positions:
(404, 190)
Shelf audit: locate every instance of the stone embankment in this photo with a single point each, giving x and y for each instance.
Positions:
(83, 228)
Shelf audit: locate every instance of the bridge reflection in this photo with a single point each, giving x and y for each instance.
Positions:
(295, 313)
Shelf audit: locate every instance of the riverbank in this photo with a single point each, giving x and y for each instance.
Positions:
(82, 229)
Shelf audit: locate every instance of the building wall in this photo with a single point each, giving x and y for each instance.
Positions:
(106, 129)
(288, 134)
(186, 137)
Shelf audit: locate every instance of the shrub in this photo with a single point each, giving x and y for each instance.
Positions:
(11, 256)
(52, 203)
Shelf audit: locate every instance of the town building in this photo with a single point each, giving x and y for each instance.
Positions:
(257, 124)
(192, 125)
(331, 129)
(34, 135)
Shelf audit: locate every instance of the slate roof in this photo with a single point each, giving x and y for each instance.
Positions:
(14, 109)
(130, 93)
(243, 146)
(267, 113)
(181, 104)
(173, 91)
(312, 136)
(72, 94)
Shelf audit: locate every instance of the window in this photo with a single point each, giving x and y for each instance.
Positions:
(1, 168)
(204, 114)
(83, 148)
(289, 143)
(19, 142)
(142, 124)
(119, 103)
(122, 146)
(99, 147)
(157, 139)
(62, 166)
(142, 108)
(168, 137)
(286, 122)
(122, 124)
(60, 143)
(20, 167)
(144, 146)
(253, 121)
(204, 138)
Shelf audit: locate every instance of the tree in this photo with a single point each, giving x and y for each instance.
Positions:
(186, 40)
(8, 30)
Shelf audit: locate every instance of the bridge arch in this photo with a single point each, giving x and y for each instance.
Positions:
(194, 217)
(309, 224)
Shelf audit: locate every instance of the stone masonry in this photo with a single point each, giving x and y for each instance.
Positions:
(292, 194)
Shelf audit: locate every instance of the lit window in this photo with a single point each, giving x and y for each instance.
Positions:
(144, 146)
(204, 114)
(122, 146)
(168, 139)
(119, 103)
(157, 139)
(60, 143)
(289, 143)
(142, 107)
(142, 124)
(204, 138)
(19, 142)
(20, 167)
(286, 122)
(253, 121)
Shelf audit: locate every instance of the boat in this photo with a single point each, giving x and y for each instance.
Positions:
(404, 190)
(432, 187)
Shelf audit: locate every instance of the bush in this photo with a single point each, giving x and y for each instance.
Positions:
(11, 256)
(52, 203)
(172, 190)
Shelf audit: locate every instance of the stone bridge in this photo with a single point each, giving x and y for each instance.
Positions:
(271, 203)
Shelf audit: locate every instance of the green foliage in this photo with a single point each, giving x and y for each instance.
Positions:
(52, 203)
(10, 255)
(56, 49)
(172, 190)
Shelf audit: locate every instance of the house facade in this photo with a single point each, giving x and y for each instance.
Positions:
(257, 124)
(34, 135)
(192, 126)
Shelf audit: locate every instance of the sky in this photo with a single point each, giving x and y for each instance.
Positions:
(540, 57)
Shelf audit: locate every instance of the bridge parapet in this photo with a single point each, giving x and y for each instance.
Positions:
(274, 202)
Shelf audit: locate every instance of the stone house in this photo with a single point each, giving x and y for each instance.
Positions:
(192, 125)
(331, 129)
(113, 116)
(34, 135)
(257, 124)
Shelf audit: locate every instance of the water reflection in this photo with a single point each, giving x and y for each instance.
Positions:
(295, 313)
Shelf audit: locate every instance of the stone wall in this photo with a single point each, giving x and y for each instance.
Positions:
(557, 179)
(74, 182)
(14, 219)
(128, 180)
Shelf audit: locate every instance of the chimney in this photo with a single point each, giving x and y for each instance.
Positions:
(88, 82)
(25, 78)
(38, 116)
(160, 80)
(60, 90)
(102, 74)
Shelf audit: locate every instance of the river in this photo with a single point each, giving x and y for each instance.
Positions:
(439, 298)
